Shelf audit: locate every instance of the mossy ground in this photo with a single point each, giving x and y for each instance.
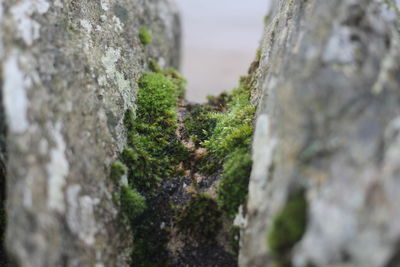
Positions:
(224, 127)
(153, 150)
(156, 153)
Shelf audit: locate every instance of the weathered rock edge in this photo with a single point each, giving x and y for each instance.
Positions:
(69, 70)
(328, 121)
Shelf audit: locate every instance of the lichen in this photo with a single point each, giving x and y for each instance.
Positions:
(145, 36)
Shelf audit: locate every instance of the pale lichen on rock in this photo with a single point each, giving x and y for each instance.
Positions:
(69, 72)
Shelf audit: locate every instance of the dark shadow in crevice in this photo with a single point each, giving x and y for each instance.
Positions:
(4, 261)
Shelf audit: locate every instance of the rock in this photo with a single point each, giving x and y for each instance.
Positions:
(69, 72)
(328, 123)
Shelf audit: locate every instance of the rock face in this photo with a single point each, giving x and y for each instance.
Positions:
(328, 124)
(69, 71)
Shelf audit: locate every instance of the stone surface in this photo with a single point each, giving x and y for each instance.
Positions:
(69, 71)
(328, 121)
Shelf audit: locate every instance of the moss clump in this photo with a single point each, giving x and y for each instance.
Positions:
(145, 36)
(233, 130)
(118, 169)
(177, 79)
(153, 149)
(172, 74)
(289, 225)
(233, 188)
(132, 203)
(154, 66)
(199, 125)
(229, 147)
(152, 155)
(201, 218)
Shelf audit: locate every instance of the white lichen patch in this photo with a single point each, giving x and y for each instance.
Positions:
(27, 197)
(118, 25)
(28, 29)
(124, 86)
(88, 227)
(105, 5)
(86, 25)
(72, 194)
(58, 3)
(263, 149)
(57, 170)
(80, 215)
(15, 96)
(340, 48)
(101, 80)
(390, 9)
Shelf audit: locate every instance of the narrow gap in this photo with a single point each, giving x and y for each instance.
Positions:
(185, 170)
(3, 173)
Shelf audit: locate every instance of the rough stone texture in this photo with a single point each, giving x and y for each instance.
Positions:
(329, 121)
(69, 70)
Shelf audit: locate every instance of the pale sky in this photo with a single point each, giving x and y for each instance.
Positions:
(220, 39)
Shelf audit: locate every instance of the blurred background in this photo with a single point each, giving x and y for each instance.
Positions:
(220, 39)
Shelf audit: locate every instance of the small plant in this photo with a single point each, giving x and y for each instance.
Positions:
(145, 36)
(132, 203)
(118, 169)
(201, 218)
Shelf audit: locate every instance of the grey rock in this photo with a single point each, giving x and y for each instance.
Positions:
(69, 71)
(328, 121)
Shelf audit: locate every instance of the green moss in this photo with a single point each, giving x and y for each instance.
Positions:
(225, 128)
(172, 74)
(132, 203)
(154, 150)
(156, 99)
(152, 155)
(289, 225)
(154, 67)
(234, 129)
(145, 36)
(218, 103)
(234, 237)
(199, 124)
(201, 218)
(233, 188)
(177, 79)
(118, 169)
